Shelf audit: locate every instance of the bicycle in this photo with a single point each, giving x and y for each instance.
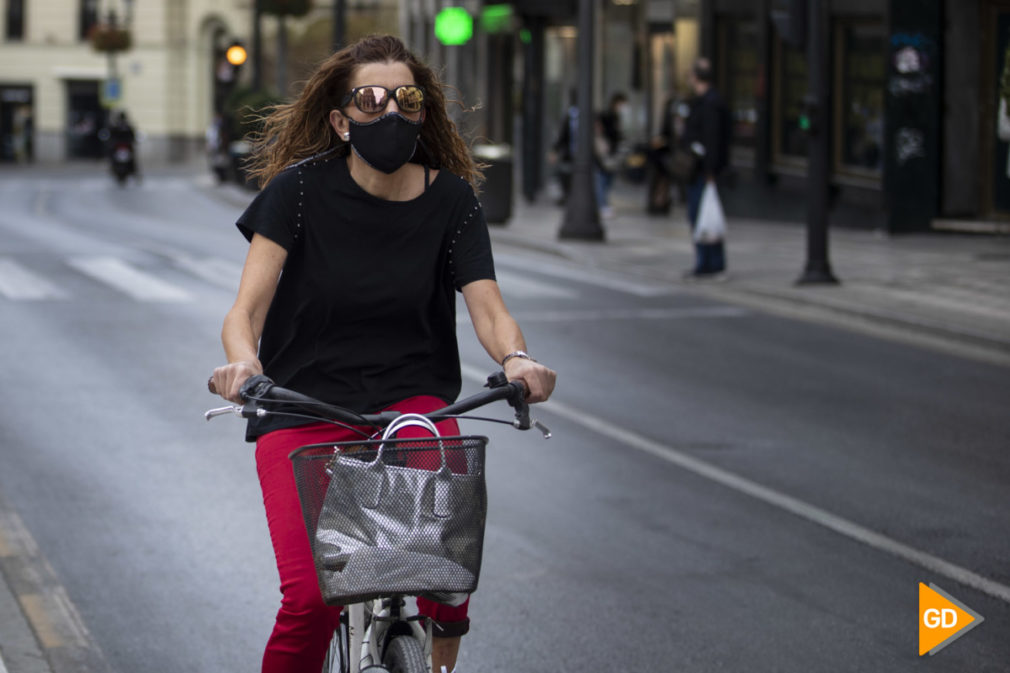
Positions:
(376, 633)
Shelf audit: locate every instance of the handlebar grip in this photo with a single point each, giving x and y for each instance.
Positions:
(255, 386)
(517, 400)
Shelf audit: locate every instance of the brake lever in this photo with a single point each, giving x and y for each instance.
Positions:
(542, 428)
(518, 402)
(221, 411)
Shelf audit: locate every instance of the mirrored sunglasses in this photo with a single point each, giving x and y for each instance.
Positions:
(372, 98)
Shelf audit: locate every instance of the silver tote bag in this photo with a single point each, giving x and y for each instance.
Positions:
(388, 529)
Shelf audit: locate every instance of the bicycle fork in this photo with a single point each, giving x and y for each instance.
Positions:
(365, 639)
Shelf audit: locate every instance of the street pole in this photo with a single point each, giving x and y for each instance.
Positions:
(533, 108)
(818, 267)
(582, 215)
(339, 24)
(257, 46)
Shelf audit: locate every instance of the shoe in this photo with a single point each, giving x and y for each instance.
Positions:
(713, 276)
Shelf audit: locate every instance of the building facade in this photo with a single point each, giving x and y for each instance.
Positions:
(917, 90)
(918, 116)
(54, 95)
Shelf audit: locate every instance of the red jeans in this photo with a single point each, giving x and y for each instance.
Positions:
(305, 624)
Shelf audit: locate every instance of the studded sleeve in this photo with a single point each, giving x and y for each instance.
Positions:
(470, 255)
(274, 212)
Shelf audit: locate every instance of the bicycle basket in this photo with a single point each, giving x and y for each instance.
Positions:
(394, 516)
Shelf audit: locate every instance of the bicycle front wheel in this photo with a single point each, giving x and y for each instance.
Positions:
(405, 655)
(334, 662)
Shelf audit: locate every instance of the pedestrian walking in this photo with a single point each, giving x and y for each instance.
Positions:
(706, 136)
(660, 147)
(562, 153)
(366, 227)
(610, 150)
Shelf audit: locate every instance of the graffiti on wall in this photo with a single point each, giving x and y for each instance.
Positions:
(911, 73)
(909, 144)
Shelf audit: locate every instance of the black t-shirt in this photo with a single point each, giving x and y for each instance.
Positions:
(365, 310)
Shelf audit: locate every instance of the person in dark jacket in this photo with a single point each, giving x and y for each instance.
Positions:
(120, 132)
(608, 146)
(707, 135)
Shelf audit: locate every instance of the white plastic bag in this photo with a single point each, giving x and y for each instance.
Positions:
(711, 225)
(1003, 121)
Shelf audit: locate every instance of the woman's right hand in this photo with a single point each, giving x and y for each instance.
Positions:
(227, 380)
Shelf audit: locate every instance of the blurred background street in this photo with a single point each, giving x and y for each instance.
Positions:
(150, 517)
(746, 473)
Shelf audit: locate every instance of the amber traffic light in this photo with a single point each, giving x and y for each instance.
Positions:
(236, 54)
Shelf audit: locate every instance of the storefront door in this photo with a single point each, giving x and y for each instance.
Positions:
(85, 119)
(16, 123)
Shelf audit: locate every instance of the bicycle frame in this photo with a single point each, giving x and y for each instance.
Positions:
(367, 627)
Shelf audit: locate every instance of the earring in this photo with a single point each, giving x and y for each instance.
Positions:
(347, 136)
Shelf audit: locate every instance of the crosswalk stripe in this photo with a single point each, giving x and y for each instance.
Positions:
(17, 282)
(126, 278)
(598, 277)
(620, 314)
(520, 286)
(216, 271)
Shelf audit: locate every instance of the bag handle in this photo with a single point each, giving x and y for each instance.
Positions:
(412, 421)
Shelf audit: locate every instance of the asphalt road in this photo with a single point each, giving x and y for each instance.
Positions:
(725, 490)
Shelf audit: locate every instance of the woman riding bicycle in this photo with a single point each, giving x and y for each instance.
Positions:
(366, 227)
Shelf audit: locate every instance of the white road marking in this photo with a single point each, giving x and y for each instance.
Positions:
(592, 314)
(598, 277)
(771, 497)
(632, 314)
(17, 282)
(214, 270)
(134, 282)
(518, 285)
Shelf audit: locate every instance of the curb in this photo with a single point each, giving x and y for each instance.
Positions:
(982, 347)
(989, 347)
(41, 629)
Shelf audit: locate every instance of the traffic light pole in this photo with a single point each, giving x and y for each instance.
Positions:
(582, 216)
(818, 267)
(339, 24)
(257, 46)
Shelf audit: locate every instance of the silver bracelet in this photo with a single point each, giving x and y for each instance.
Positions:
(516, 354)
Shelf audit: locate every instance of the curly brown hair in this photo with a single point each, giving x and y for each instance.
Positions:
(301, 129)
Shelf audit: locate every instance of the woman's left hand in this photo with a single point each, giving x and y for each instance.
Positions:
(538, 379)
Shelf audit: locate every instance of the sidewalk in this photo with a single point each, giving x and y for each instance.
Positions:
(950, 291)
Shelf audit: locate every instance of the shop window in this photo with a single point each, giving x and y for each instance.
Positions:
(15, 20)
(788, 138)
(738, 76)
(88, 17)
(860, 78)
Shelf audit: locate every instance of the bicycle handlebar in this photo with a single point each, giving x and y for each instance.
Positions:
(259, 388)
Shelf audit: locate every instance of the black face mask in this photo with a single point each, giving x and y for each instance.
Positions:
(386, 143)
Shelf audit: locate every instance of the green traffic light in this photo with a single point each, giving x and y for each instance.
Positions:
(453, 26)
(496, 18)
(804, 123)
